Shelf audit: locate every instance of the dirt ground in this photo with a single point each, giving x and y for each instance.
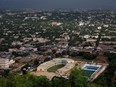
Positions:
(49, 75)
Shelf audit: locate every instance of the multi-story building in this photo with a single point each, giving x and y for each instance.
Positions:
(5, 63)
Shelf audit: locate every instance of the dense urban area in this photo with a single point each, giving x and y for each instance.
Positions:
(30, 38)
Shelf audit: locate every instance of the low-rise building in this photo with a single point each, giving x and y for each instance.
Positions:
(5, 63)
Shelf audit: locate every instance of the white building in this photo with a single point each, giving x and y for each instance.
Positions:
(69, 64)
(5, 63)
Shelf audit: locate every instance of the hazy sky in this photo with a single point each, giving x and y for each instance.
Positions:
(66, 4)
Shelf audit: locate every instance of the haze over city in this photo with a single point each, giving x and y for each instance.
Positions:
(57, 43)
(58, 4)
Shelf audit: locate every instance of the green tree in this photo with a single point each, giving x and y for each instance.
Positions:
(93, 85)
(42, 81)
(60, 82)
(77, 79)
(3, 82)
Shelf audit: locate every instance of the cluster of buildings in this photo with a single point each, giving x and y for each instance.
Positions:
(34, 37)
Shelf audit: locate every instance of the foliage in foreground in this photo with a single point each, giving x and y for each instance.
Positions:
(76, 79)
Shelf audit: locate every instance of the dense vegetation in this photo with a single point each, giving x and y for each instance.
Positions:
(107, 78)
(76, 79)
